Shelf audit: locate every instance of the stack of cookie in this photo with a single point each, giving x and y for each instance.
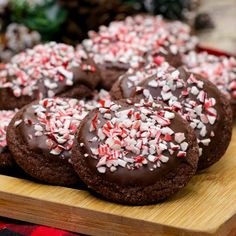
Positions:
(137, 144)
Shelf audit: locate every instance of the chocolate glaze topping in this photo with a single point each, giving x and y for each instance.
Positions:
(138, 39)
(194, 98)
(49, 125)
(133, 77)
(133, 144)
(47, 70)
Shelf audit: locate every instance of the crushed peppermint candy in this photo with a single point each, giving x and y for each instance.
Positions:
(134, 136)
(99, 97)
(221, 71)
(58, 120)
(42, 68)
(5, 119)
(133, 77)
(137, 37)
(188, 98)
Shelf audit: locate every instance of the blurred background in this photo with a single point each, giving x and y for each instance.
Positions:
(24, 23)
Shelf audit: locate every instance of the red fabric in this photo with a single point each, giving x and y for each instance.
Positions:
(16, 228)
(214, 51)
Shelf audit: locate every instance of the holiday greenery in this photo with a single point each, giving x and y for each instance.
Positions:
(44, 16)
(69, 21)
(171, 9)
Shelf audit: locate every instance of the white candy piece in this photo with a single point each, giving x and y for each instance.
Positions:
(179, 137)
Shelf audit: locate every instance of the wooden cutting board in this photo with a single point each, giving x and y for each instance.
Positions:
(207, 206)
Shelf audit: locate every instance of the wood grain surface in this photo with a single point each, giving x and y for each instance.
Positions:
(223, 36)
(207, 206)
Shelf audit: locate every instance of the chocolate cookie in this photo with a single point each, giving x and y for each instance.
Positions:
(41, 135)
(45, 71)
(16, 38)
(221, 71)
(135, 153)
(124, 86)
(200, 103)
(136, 41)
(113, 59)
(6, 160)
